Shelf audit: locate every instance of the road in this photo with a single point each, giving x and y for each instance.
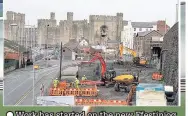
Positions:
(19, 83)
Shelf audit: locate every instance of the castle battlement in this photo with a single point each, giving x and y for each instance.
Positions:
(80, 21)
(102, 18)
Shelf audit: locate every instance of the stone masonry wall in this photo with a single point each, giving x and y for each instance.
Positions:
(170, 62)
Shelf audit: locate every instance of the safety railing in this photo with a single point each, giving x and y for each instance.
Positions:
(100, 102)
(74, 92)
(89, 82)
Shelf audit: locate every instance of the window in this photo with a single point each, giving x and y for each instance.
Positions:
(140, 29)
(134, 34)
(134, 29)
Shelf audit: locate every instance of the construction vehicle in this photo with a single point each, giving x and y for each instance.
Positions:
(125, 82)
(106, 75)
(136, 60)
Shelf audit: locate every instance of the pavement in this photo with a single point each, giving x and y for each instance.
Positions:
(19, 83)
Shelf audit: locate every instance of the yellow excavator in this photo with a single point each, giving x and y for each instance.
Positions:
(136, 60)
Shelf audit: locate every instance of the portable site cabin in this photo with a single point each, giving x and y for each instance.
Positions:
(150, 95)
(68, 54)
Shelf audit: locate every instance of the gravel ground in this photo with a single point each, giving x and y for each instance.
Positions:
(145, 75)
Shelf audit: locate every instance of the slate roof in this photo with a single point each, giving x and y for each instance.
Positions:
(143, 24)
(142, 34)
(72, 44)
(125, 23)
(14, 46)
(112, 41)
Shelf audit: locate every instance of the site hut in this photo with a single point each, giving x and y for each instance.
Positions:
(68, 53)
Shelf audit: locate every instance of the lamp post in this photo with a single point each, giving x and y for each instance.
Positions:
(47, 47)
(27, 37)
(35, 67)
(15, 25)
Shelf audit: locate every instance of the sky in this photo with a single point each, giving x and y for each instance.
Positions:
(134, 10)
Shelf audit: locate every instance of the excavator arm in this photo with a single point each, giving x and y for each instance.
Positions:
(136, 59)
(97, 56)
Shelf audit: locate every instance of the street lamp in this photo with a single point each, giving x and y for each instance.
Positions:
(35, 67)
(47, 47)
(27, 38)
(15, 25)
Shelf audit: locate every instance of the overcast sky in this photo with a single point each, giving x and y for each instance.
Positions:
(134, 10)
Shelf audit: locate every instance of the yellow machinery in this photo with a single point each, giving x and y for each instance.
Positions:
(124, 78)
(125, 82)
(136, 59)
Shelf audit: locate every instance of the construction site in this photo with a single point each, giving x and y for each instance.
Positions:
(102, 79)
(112, 82)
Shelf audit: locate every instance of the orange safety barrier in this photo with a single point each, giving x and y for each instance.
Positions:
(157, 76)
(55, 92)
(73, 92)
(89, 82)
(99, 102)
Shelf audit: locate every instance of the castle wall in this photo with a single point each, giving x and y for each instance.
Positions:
(114, 24)
(76, 29)
(14, 27)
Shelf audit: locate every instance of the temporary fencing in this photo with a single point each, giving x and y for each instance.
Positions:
(74, 92)
(100, 102)
(157, 76)
(89, 82)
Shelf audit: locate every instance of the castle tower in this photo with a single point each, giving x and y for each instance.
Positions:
(10, 15)
(52, 16)
(119, 25)
(70, 24)
(69, 16)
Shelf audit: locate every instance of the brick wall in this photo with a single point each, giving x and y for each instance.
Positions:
(161, 27)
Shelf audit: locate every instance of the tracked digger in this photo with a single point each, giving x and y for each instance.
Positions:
(136, 60)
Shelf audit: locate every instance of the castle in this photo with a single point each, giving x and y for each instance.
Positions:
(77, 29)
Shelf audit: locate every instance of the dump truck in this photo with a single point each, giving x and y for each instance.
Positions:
(125, 82)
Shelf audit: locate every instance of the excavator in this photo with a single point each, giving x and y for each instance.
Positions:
(106, 75)
(109, 78)
(136, 60)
